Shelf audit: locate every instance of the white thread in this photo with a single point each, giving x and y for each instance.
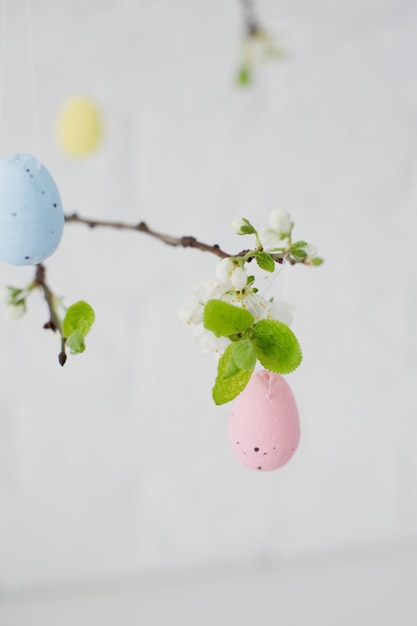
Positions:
(273, 279)
(268, 397)
(29, 31)
(2, 60)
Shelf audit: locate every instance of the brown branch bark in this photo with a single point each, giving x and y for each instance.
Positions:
(54, 322)
(249, 17)
(184, 242)
(187, 241)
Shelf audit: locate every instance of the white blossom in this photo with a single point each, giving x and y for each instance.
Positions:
(282, 311)
(256, 47)
(208, 342)
(231, 275)
(231, 286)
(15, 308)
(16, 311)
(192, 312)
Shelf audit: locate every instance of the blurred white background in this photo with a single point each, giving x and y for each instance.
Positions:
(120, 500)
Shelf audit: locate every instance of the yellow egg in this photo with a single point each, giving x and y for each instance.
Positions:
(79, 126)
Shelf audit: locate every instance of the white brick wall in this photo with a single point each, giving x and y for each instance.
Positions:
(119, 463)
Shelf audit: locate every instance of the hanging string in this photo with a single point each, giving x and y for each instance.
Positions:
(272, 280)
(268, 395)
(2, 59)
(29, 38)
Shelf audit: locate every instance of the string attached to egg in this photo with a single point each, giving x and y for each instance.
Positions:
(30, 49)
(268, 395)
(2, 60)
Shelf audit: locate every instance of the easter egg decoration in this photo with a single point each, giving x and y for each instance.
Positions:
(31, 215)
(264, 426)
(79, 126)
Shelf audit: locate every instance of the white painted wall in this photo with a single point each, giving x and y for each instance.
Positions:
(119, 463)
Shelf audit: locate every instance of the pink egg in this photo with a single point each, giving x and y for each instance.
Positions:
(264, 427)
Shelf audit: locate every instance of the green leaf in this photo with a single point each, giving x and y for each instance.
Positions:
(244, 355)
(244, 76)
(299, 253)
(265, 261)
(246, 227)
(297, 250)
(232, 369)
(226, 386)
(75, 342)
(277, 347)
(79, 317)
(316, 261)
(224, 319)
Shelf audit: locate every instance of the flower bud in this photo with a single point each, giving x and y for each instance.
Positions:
(280, 222)
(224, 270)
(15, 311)
(237, 225)
(310, 250)
(242, 226)
(239, 278)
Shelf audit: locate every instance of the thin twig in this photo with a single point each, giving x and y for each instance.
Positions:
(188, 241)
(54, 322)
(184, 242)
(250, 19)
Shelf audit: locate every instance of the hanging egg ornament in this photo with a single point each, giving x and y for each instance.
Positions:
(264, 426)
(79, 126)
(31, 215)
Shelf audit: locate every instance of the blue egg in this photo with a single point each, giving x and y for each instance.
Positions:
(31, 215)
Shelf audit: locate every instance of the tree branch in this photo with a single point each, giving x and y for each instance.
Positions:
(54, 322)
(184, 242)
(187, 241)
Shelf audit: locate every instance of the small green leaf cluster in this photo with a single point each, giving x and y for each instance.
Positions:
(268, 341)
(76, 324)
(280, 230)
(257, 46)
(265, 261)
(244, 75)
(15, 299)
(303, 252)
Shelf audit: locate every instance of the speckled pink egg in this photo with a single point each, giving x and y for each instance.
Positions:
(264, 426)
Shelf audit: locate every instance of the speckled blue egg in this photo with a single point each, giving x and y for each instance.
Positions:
(31, 215)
